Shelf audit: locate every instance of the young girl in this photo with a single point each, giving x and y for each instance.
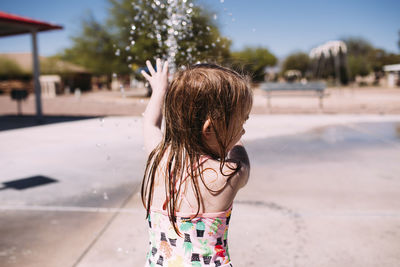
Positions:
(196, 167)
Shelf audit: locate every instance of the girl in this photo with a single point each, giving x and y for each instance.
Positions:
(195, 168)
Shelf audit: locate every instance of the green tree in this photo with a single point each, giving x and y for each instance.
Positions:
(358, 56)
(93, 48)
(398, 42)
(364, 58)
(379, 58)
(134, 32)
(297, 61)
(9, 69)
(254, 60)
(141, 33)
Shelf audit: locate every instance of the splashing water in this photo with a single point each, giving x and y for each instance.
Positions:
(169, 23)
(179, 20)
(169, 29)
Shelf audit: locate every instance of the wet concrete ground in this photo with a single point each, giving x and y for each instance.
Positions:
(327, 197)
(320, 194)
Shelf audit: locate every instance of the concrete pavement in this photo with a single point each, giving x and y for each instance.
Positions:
(324, 191)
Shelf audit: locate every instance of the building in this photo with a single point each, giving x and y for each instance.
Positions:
(57, 76)
(393, 75)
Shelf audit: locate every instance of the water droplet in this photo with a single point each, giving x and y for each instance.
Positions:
(26, 252)
(133, 42)
(133, 27)
(215, 16)
(117, 53)
(105, 196)
(127, 48)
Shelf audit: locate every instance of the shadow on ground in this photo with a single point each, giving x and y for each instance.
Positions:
(9, 122)
(26, 183)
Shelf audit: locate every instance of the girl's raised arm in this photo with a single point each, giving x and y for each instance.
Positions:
(152, 117)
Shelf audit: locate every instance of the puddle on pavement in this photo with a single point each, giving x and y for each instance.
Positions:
(324, 142)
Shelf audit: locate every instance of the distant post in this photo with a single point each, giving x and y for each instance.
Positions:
(36, 73)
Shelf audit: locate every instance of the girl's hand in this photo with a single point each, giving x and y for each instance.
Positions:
(152, 116)
(158, 79)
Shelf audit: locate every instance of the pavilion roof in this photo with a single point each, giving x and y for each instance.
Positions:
(11, 24)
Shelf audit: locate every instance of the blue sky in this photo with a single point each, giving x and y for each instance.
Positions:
(282, 26)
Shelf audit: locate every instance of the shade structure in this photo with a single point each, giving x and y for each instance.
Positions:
(11, 24)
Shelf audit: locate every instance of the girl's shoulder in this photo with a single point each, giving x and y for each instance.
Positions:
(218, 175)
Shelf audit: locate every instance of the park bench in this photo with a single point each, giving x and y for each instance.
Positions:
(318, 87)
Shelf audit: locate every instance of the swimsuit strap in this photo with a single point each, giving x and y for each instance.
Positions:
(203, 158)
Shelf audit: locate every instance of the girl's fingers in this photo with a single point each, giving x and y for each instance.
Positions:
(165, 68)
(150, 67)
(145, 75)
(158, 64)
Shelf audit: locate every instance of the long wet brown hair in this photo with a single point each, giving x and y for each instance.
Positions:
(198, 93)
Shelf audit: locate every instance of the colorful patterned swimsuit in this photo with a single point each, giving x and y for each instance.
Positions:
(204, 240)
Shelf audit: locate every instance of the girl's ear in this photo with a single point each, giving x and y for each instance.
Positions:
(207, 129)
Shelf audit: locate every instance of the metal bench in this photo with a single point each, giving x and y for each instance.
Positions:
(318, 87)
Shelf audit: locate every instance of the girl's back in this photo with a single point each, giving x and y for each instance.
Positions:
(196, 167)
